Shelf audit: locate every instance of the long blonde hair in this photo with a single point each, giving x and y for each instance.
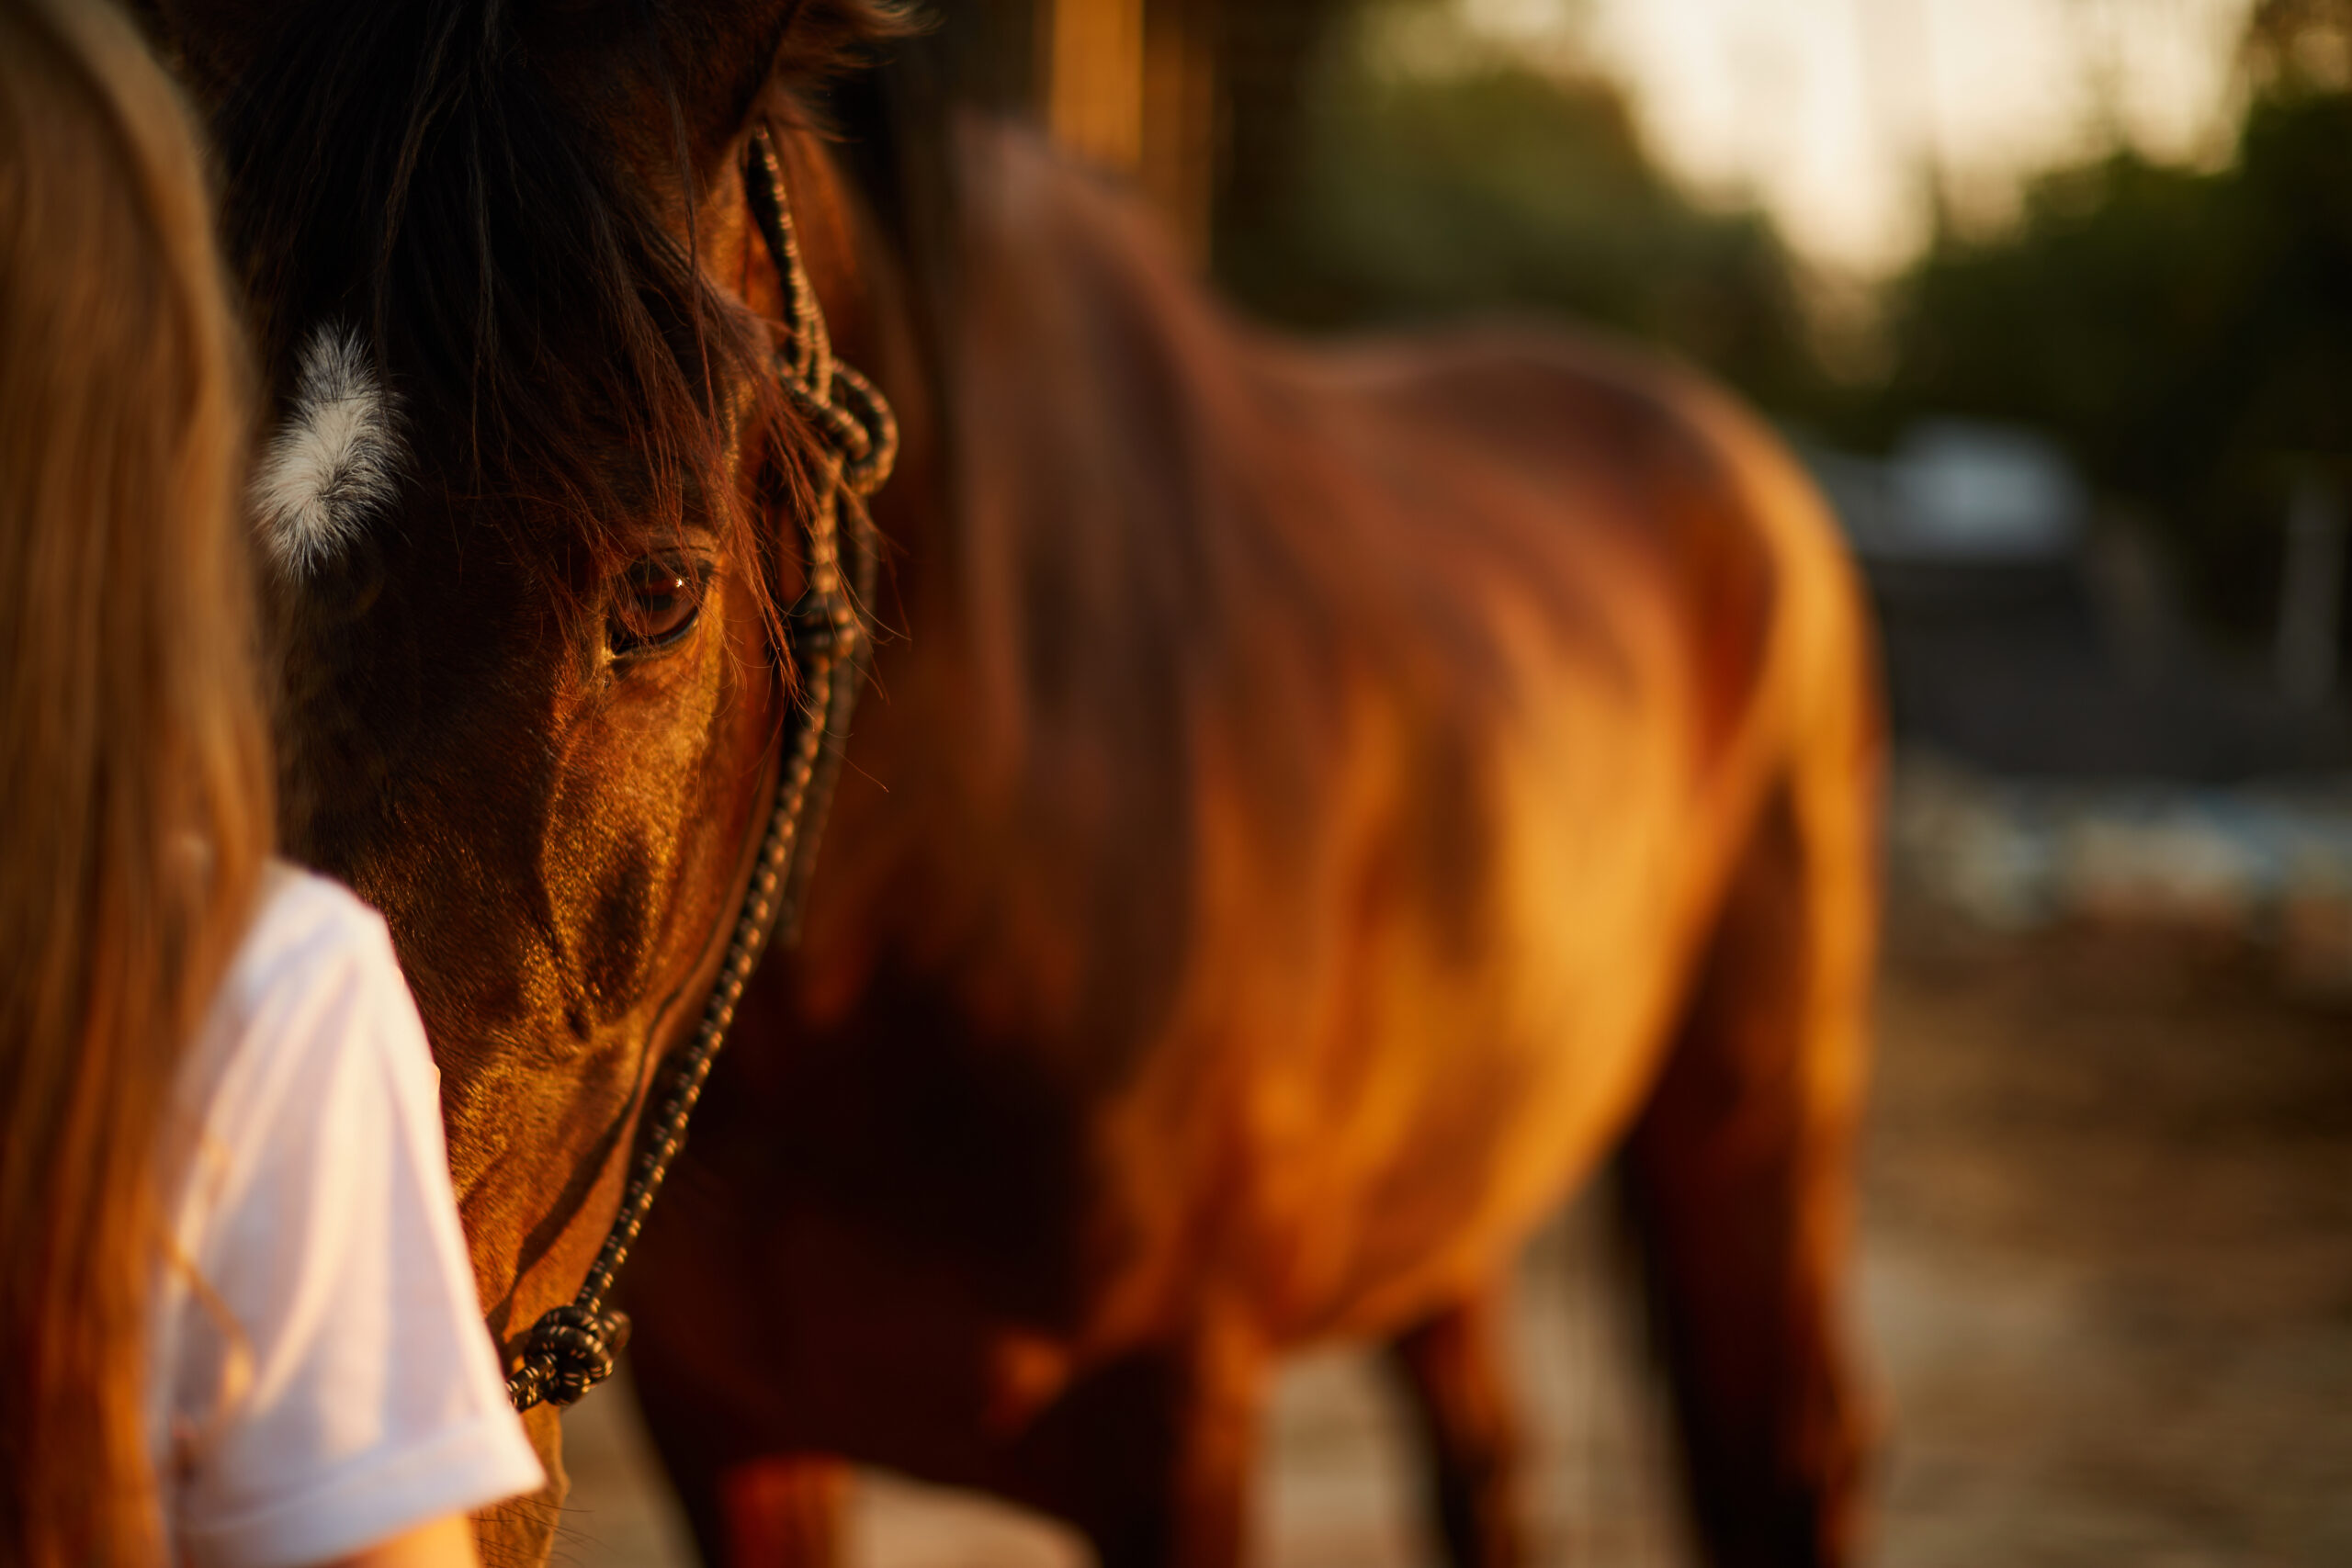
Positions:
(134, 786)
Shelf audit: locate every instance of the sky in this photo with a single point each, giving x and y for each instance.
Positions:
(1829, 112)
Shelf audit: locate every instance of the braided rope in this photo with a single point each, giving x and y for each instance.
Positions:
(572, 1348)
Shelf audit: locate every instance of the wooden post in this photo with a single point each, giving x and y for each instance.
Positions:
(2311, 590)
(1178, 169)
(1131, 86)
(1093, 72)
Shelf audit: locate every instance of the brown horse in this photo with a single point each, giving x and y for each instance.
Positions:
(1311, 810)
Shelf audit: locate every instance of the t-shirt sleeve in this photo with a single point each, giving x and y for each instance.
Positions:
(341, 1387)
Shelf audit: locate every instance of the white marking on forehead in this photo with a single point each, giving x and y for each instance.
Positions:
(333, 464)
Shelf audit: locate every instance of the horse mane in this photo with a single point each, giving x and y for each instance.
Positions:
(452, 179)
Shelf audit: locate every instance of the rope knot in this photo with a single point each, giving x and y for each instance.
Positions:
(570, 1352)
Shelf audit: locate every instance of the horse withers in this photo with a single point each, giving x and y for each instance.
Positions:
(1311, 809)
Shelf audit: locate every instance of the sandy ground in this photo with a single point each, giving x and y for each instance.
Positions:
(2107, 1288)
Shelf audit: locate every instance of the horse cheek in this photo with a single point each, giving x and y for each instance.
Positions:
(522, 1529)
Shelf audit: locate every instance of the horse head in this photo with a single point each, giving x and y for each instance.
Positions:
(532, 501)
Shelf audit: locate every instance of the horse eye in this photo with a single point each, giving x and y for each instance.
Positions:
(654, 604)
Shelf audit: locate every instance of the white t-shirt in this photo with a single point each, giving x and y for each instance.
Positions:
(322, 1379)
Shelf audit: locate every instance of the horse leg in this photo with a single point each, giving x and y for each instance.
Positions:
(786, 1512)
(1740, 1181)
(1453, 1368)
(1150, 1456)
(778, 1511)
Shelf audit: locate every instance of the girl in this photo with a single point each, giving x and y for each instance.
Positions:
(237, 1324)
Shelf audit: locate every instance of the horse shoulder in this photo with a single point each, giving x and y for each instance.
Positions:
(1662, 484)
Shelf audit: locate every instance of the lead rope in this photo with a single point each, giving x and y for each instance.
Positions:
(571, 1348)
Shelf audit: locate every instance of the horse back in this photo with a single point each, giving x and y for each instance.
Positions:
(1344, 754)
(1574, 604)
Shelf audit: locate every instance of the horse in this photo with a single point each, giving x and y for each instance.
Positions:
(1313, 807)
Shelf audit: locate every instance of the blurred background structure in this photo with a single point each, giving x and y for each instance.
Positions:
(2055, 297)
(2053, 289)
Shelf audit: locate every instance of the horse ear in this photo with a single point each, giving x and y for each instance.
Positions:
(741, 59)
(732, 53)
(207, 43)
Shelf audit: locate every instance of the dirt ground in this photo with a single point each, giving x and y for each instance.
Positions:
(2107, 1292)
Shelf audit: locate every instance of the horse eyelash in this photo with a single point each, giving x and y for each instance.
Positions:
(333, 463)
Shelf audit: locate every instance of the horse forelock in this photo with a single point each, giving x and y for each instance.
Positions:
(334, 463)
(446, 211)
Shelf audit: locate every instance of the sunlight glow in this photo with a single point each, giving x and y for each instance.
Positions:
(1843, 116)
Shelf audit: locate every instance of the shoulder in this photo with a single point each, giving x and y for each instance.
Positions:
(307, 930)
(313, 992)
(359, 1392)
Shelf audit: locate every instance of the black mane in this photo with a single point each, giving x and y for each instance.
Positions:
(418, 170)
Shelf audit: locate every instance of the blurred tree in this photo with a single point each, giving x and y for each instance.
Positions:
(1196, 100)
(1342, 194)
(2187, 334)
(1415, 194)
(1267, 51)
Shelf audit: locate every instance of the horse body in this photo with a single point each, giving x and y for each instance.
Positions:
(1312, 807)
(1291, 830)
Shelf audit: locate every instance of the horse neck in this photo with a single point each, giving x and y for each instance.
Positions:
(863, 287)
(1101, 592)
